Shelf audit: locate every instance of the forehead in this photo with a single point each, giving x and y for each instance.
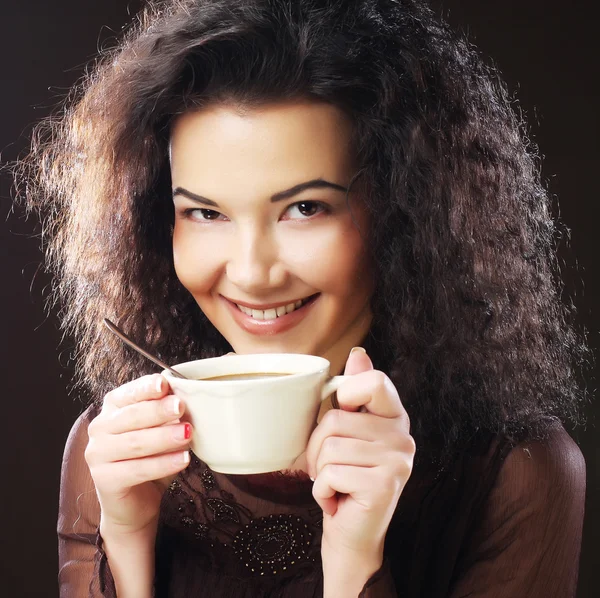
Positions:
(222, 147)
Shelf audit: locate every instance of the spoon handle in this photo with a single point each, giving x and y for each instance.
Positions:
(116, 330)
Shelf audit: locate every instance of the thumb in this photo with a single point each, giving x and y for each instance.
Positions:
(358, 362)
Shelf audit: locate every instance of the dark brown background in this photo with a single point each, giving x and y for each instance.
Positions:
(548, 54)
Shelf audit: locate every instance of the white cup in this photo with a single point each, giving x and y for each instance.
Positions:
(254, 425)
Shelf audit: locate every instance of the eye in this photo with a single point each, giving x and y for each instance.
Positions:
(202, 214)
(303, 210)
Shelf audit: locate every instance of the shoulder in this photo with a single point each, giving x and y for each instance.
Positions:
(85, 418)
(78, 436)
(544, 472)
(536, 496)
(555, 457)
(525, 539)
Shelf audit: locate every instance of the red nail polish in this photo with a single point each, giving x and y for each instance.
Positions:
(187, 431)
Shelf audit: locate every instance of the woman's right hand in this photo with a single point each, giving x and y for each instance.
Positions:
(136, 445)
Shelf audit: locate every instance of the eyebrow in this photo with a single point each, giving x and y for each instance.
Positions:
(295, 190)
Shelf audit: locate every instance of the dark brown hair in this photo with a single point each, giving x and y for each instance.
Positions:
(468, 318)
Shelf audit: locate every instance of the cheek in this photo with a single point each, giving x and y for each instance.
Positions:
(349, 270)
(333, 261)
(196, 267)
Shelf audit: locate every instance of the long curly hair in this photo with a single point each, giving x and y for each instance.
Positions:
(468, 319)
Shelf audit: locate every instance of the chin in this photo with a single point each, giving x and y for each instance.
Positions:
(266, 347)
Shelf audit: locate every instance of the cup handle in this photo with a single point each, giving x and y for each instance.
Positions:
(331, 386)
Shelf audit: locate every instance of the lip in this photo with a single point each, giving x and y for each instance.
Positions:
(269, 327)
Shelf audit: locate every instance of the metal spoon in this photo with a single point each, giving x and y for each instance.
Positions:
(116, 330)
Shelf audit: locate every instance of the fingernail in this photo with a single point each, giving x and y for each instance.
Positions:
(175, 406)
(185, 456)
(355, 349)
(187, 431)
(159, 384)
(311, 479)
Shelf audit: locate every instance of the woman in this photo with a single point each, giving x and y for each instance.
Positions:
(355, 165)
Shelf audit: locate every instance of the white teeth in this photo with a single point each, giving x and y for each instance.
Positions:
(271, 314)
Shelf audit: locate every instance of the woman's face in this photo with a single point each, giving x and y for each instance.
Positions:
(262, 223)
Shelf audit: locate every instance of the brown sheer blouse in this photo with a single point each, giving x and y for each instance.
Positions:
(502, 522)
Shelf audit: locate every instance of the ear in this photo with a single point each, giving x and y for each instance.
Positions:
(358, 362)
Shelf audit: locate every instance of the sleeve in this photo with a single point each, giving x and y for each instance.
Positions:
(381, 584)
(83, 566)
(527, 538)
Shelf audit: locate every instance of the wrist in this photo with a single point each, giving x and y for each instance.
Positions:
(131, 558)
(116, 533)
(345, 573)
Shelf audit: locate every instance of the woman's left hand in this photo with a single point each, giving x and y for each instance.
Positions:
(360, 457)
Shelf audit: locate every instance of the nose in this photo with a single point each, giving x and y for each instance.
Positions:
(253, 263)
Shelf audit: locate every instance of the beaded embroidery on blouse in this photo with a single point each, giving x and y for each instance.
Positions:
(277, 541)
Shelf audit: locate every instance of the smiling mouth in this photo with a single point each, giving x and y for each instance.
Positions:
(275, 312)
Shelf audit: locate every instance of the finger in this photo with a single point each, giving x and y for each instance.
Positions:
(373, 390)
(146, 414)
(358, 362)
(365, 485)
(142, 389)
(122, 475)
(350, 451)
(138, 443)
(361, 426)
(325, 496)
